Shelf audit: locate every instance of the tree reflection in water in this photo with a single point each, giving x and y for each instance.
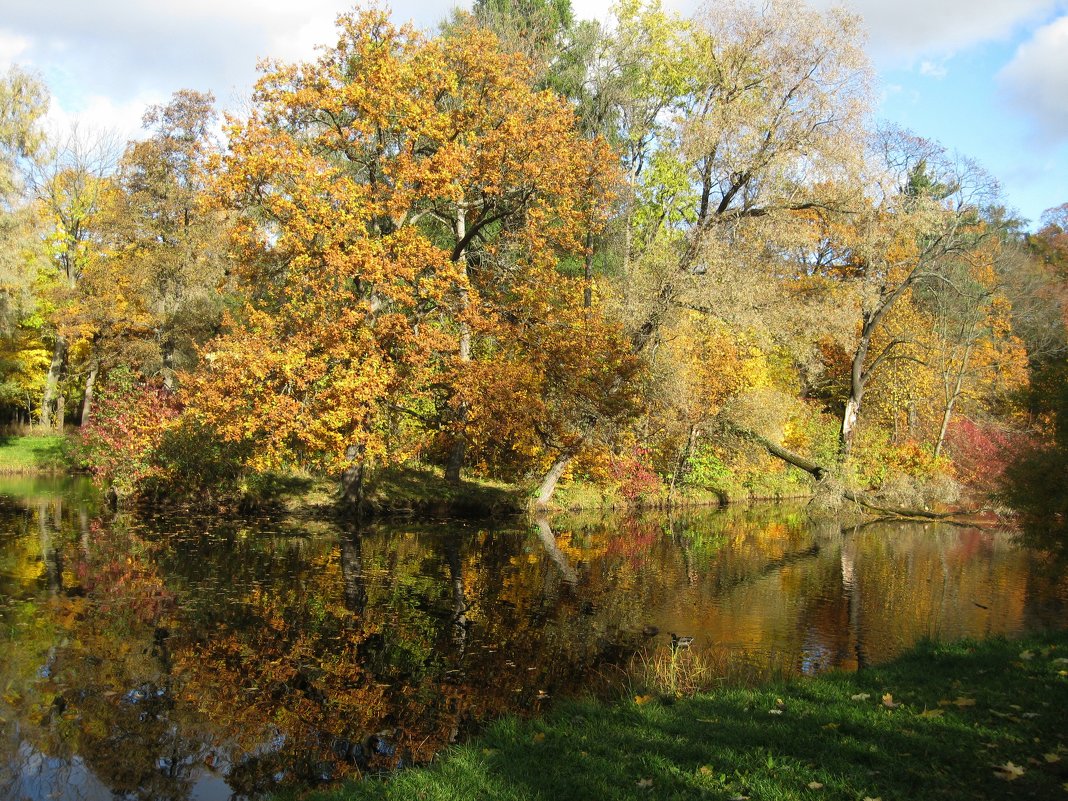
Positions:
(151, 658)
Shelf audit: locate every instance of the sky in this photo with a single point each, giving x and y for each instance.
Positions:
(985, 78)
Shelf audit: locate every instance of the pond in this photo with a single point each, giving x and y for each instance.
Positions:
(181, 657)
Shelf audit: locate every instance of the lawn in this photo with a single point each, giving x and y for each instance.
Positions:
(972, 720)
(33, 454)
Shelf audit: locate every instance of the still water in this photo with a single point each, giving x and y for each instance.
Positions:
(179, 657)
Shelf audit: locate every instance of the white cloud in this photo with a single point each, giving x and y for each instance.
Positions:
(1036, 80)
(12, 46)
(902, 31)
(933, 69)
(100, 116)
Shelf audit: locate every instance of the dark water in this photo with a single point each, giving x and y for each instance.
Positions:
(204, 658)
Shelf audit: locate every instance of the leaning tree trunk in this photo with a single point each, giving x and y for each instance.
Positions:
(821, 473)
(548, 484)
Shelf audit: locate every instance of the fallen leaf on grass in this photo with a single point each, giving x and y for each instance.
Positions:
(1009, 772)
(831, 725)
(642, 699)
(815, 786)
(704, 770)
(1051, 757)
(860, 697)
(960, 701)
(888, 701)
(869, 798)
(539, 737)
(1026, 655)
(932, 713)
(645, 784)
(774, 711)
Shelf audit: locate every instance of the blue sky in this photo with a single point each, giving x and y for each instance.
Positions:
(986, 78)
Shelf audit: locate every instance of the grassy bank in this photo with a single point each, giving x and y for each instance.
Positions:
(46, 453)
(970, 720)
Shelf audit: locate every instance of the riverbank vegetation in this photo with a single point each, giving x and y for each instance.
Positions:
(662, 258)
(975, 720)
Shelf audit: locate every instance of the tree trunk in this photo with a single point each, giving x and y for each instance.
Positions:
(849, 425)
(87, 398)
(352, 480)
(680, 466)
(456, 456)
(819, 472)
(167, 352)
(951, 400)
(548, 484)
(52, 382)
(587, 289)
(459, 445)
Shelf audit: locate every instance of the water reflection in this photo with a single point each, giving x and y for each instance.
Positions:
(205, 658)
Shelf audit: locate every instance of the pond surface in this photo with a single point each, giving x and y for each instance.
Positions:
(179, 657)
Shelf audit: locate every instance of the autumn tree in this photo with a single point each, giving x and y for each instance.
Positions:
(70, 187)
(156, 293)
(23, 101)
(404, 200)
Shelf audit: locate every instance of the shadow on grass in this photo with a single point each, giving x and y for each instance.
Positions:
(422, 491)
(953, 716)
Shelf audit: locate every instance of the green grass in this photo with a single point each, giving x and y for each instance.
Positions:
(34, 454)
(960, 712)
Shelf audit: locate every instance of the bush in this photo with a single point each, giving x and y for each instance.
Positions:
(128, 423)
